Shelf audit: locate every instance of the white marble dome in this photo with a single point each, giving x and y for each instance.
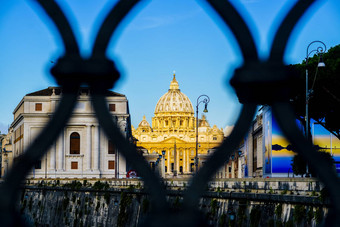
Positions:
(174, 100)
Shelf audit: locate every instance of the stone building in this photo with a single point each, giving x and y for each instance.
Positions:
(6, 152)
(173, 130)
(82, 150)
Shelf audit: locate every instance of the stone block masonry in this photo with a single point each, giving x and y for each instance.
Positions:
(101, 204)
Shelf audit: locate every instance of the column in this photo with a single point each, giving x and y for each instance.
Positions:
(61, 151)
(53, 156)
(96, 148)
(169, 166)
(189, 160)
(88, 147)
(177, 161)
(232, 169)
(184, 160)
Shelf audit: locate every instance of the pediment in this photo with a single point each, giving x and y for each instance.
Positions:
(172, 140)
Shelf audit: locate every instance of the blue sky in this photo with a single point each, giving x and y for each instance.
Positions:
(160, 36)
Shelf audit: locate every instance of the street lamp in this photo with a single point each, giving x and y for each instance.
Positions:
(205, 99)
(319, 51)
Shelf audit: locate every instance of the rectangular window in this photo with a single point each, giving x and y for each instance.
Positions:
(254, 154)
(74, 165)
(214, 138)
(172, 167)
(112, 107)
(37, 165)
(74, 143)
(111, 149)
(111, 164)
(38, 107)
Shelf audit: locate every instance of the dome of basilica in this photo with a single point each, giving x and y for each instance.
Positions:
(174, 100)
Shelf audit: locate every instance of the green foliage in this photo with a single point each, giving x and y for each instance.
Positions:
(314, 193)
(310, 215)
(177, 203)
(131, 187)
(241, 212)
(299, 165)
(75, 222)
(318, 216)
(74, 185)
(278, 223)
(100, 186)
(323, 103)
(271, 223)
(74, 198)
(124, 205)
(65, 202)
(213, 206)
(222, 220)
(278, 211)
(324, 194)
(107, 197)
(284, 192)
(299, 213)
(327, 157)
(255, 216)
(271, 191)
(98, 206)
(289, 223)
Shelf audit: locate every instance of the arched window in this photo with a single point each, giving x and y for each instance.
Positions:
(74, 143)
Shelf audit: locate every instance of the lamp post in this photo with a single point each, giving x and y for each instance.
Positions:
(319, 51)
(205, 99)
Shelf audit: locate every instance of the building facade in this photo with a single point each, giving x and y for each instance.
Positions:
(173, 131)
(82, 150)
(6, 152)
(267, 153)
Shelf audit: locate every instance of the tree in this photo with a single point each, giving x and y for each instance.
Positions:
(299, 164)
(324, 102)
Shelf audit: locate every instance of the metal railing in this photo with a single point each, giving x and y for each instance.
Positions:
(256, 82)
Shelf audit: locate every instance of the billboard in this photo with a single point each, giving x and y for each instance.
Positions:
(282, 152)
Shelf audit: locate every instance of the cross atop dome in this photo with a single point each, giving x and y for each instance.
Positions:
(174, 84)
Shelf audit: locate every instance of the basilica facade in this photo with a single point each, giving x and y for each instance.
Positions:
(173, 133)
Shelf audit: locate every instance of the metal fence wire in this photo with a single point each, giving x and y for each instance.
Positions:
(256, 82)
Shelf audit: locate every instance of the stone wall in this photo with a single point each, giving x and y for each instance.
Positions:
(100, 204)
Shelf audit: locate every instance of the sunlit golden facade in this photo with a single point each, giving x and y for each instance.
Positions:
(174, 131)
